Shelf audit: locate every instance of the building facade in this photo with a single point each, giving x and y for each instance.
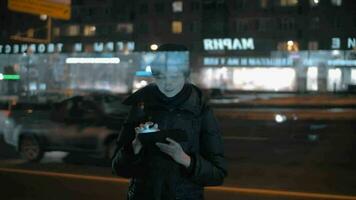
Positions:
(253, 45)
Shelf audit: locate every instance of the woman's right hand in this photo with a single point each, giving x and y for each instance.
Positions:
(142, 128)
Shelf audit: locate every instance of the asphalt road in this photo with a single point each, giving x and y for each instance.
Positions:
(266, 160)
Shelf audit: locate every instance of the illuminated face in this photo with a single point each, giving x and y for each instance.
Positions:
(169, 81)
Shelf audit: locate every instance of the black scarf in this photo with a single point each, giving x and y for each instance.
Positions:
(175, 101)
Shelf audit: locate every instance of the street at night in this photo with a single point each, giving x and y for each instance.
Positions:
(177, 100)
(264, 162)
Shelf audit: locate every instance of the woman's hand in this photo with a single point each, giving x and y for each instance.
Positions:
(136, 143)
(174, 150)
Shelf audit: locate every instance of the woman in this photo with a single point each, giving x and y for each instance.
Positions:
(172, 103)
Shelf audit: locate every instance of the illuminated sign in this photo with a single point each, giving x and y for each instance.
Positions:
(336, 43)
(55, 8)
(247, 61)
(229, 44)
(271, 62)
(9, 77)
(60, 47)
(92, 60)
(351, 43)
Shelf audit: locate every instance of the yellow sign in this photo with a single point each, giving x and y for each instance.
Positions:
(53, 8)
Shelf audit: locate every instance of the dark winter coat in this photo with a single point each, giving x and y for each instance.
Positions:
(204, 145)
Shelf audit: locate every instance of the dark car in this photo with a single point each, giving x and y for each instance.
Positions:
(87, 123)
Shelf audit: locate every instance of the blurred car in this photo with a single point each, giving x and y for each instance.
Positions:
(88, 123)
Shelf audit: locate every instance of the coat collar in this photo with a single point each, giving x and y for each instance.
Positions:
(145, 95)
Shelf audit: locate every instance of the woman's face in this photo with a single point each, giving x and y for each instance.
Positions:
(170, 82)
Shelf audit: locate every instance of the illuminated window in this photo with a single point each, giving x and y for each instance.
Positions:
(89, 30)
(353, 76)
(249, 78)
(30, 32)
(73, 30)
(125, 28)
(288, 46)
(263, 3)
(288, 2)
(336, 2)
(312, 79)
(334, 79)
(56, 31)
(177, 6)
(177, 27)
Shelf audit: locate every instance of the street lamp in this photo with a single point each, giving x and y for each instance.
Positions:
(154, 47)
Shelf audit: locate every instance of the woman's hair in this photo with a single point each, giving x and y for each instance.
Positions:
(171, 56)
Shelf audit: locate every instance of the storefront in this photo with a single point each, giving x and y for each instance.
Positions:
(117, 69)
(64, 68)
(239, 65)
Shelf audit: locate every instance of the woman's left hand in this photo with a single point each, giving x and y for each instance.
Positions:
(174, 150)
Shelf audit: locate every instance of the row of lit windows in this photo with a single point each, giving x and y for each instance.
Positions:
(176, 26)
(91, 30)
(177, 6)
(286, 3)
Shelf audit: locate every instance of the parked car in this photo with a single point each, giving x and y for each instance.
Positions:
(88, 123)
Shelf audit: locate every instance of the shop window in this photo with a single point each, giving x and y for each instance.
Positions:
(89, 30)
(334, 79)
(177, 27)
(353, 76)
(312, 79)
(336, 2)
(285, 3)
(247, 78)
(125, 28)
(177, 6)
(73, 30)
